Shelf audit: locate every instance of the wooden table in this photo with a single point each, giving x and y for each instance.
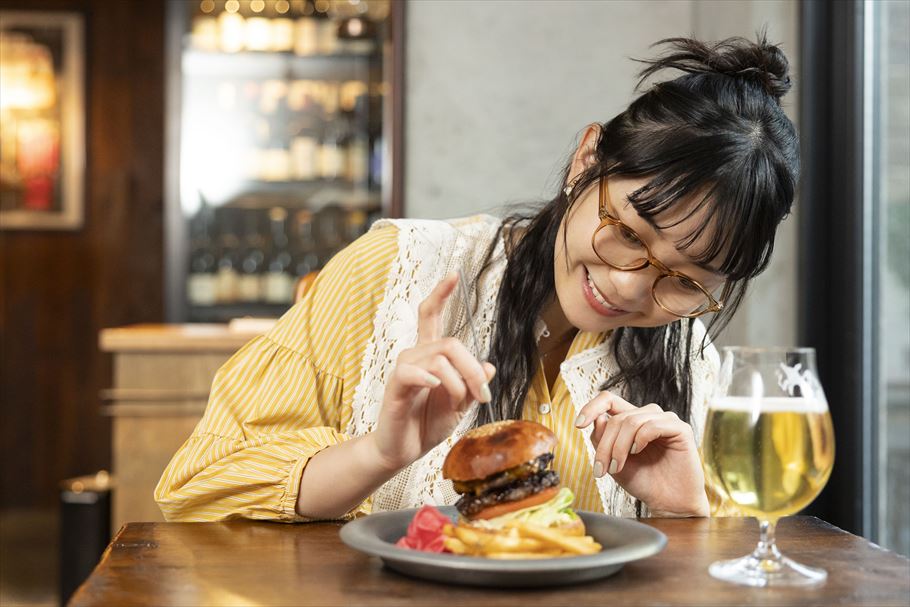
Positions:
(245, 563)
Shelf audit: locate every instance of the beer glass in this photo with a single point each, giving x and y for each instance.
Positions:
(768, 449)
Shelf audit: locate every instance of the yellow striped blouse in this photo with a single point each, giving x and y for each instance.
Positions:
(288, 394)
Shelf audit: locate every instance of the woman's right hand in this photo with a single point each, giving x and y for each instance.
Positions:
(430, 389)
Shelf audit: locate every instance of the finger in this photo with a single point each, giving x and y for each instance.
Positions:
(470, 369)
(600, 424)
(414, 376)
(667, 426)
(410, 377)
(605, 402)
(626, 440)
(604, 460)
(490, 370)
(429, 313)
(452, 382)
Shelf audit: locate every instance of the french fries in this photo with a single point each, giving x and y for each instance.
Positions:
(516, 541)
(572, 545)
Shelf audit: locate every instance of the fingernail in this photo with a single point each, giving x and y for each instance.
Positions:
(433, 380)
(579, 421)
(485, 393)
(598, 469)
(614, 466)
(635, 448)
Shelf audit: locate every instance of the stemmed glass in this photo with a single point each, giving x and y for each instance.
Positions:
(768, 448)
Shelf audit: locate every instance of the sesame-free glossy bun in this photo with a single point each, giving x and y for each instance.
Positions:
(496, 447)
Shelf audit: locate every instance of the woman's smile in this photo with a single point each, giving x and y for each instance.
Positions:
(596, 299)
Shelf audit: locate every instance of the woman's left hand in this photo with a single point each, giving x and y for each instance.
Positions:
(650, 452)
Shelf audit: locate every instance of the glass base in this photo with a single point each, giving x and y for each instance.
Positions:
(773, 570)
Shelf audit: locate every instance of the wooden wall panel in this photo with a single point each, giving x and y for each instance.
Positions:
(59, 289)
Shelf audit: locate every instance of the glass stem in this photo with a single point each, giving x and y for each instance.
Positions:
(767, 551)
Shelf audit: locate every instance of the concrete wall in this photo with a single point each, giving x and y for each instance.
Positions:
(498, 92)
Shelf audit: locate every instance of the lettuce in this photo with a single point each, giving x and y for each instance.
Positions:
(556, 511)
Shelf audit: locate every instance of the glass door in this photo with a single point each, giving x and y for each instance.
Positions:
(278, 144)
(888, 180)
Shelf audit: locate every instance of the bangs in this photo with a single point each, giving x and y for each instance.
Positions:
(735, 203)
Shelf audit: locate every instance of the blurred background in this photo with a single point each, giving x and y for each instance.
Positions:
(168, 167)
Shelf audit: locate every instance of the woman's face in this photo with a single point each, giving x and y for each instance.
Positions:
(584, 282)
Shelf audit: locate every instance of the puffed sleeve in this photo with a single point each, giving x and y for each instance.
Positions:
(282, 398)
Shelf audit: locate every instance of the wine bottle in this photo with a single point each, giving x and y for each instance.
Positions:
(326, 30)
(276, 160)
(304, 29)
(252, 260)
(228, 265)
(279, 284)
(306, 256)
(258, 30)
(231, 28)
(305, 139)
(200, 288)
(331, 148)
(330, 231)
(204, 32)
(282, 27)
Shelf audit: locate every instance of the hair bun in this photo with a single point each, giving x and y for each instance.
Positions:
(759, 62)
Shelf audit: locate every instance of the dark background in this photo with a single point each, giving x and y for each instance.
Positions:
(58, 289)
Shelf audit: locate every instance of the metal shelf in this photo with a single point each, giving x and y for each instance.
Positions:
(343, 66)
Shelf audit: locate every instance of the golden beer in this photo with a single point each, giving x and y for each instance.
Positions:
(772, 456)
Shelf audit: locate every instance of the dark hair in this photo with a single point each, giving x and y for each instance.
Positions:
(718, 130)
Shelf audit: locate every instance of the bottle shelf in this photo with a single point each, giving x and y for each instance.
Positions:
(284, 145)
(264, 66)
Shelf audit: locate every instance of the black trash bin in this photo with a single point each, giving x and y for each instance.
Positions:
(85, 521)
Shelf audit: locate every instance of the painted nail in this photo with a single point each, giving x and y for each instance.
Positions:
(485, 392)
(614, 466)
(433, 380)
(635, 448)
(598, 469)
(579, 420)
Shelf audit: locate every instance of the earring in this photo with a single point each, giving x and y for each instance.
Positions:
(568, 189)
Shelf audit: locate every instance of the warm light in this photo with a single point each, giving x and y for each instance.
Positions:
(282, 34)
(78, 487)
(322, 6)
(257, 6)
(282, 6)
(232, 6)
(231, 27)
(207, 6)
(354, 27)
(258, 34)
(26, 74)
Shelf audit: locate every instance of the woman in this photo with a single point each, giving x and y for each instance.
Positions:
(588, 310)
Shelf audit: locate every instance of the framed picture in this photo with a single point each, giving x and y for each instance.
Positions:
(42, 120)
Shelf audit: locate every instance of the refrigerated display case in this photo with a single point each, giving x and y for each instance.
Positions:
(281, 119)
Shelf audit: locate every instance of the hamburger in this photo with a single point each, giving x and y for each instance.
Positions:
(502, 472)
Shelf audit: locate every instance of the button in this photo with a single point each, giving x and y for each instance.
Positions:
(543, 408)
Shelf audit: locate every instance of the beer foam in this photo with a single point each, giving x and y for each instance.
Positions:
(771, 404)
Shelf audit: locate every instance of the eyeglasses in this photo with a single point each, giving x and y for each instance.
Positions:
(621, 248)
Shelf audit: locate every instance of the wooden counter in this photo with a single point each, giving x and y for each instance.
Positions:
(246, 563)
(161, 380)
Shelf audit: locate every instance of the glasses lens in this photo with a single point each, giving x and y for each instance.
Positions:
(620, 247)
(680, 296)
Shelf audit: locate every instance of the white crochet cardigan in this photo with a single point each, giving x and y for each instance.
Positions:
(427, 252)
